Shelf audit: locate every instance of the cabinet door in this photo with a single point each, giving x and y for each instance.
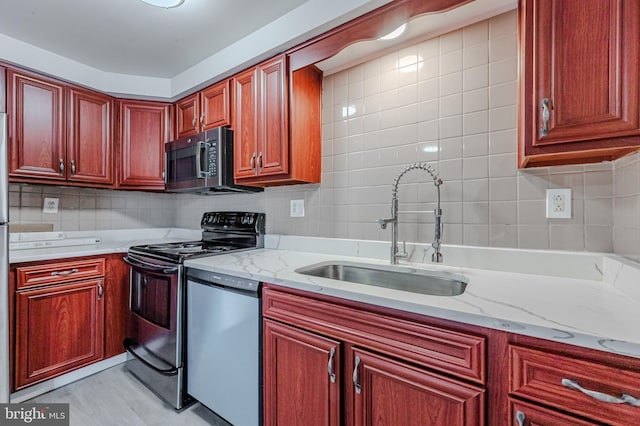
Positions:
(36, 127)
(580, 87)
(89, 138)
(245, 124)
(187, 116)
(58, 329)
(116, 304)
(301, 377)
(144, 129)
(388, 392)
(273, 119)
(215, 106)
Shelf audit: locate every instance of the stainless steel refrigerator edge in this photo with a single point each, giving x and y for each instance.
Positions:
(4, 263)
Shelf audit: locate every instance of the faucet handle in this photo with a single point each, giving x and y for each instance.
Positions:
(383, 222)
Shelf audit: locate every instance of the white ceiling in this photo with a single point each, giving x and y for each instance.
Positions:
(131, 37)
(130, 49)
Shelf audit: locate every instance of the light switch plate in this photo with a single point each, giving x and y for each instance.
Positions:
(297, 208)
(50, 205)
(559, 203)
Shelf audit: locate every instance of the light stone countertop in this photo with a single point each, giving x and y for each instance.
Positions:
(585, 299)
(113, 241)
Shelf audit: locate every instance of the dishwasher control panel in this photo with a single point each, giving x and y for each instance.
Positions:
(224, 280)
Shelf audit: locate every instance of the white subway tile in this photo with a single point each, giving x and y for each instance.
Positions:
(450, 84)
(475, 145)
(475, 100)
(475, 78)
(451, 41)
(451, 62)
(475, 55)
(451, 105)
(475, 33)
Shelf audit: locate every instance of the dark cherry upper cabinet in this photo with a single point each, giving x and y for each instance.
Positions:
(277, 124)
(579, 87)
(36, 127)
(145, 127)
(58, 133)
(89, 137)
(204, 110)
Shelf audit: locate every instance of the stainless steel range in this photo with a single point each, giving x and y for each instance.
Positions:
(156, 335)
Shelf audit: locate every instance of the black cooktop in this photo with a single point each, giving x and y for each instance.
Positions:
(223, 232)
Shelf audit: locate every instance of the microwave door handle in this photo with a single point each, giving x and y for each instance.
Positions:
(202, 146)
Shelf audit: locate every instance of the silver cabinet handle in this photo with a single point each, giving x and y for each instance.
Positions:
(61, 167)
(356, 379)
(260, 162)
(202, 120)
(252, 163)
(520, 418)
(73, 167)
(332, 375)
(100, 291)
(603, 397)
(544, 131)
(64, 273)
(193, 122)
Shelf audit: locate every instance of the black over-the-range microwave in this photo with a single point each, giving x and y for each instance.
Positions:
(202, 163)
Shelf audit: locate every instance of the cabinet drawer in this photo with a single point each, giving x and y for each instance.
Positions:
(434, 347)
(523, 414)
(55, 273)
(556, 380)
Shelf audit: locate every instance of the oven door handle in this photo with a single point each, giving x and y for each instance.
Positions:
(148, 266)
(128, 343)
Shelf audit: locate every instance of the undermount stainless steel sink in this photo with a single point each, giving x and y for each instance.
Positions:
(433, 283)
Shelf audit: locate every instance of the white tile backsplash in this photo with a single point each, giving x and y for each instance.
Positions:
(457, 112)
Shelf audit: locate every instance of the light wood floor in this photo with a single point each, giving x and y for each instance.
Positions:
(114, 397)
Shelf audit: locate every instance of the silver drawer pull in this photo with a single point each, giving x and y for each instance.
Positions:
(332, 374)
(625, 399)
(520, 418)
(356, 379)
(544, 130)
(63, 273)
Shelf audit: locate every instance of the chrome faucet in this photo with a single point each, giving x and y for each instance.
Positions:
(395, 253)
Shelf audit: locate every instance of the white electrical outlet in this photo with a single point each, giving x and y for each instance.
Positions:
(559, 203)
(297, 208)
(50, 205)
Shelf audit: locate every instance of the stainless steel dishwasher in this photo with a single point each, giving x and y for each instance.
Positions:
(224, 345)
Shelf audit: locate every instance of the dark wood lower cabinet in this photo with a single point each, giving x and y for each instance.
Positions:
(65, 314)
(390, 392)
(298, 384)
(399, 368)
(116, 303)
(320, 369)
(59, 328)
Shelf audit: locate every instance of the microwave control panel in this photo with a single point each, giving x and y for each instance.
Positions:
(212, 159)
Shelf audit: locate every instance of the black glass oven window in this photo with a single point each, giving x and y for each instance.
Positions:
(151, 298)
(181, 164)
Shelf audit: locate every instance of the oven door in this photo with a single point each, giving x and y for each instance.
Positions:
(154, 326)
